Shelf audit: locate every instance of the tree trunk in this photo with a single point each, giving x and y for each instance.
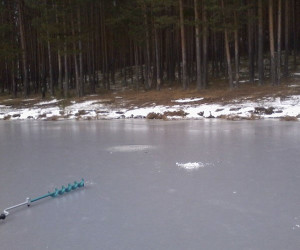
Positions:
(272, 47)
(105, 68)
(59, 60)
(81, 84)
(216, 56)
(60, 76)
(198, 48)
(286, 38)
(279, 44)
(260, 44)
(183, 47)
(136, 65)
(250, 42)
(66, 80)
(51, 82)
(23, 46)
(75, 59)
(205, 46)
(236, 50)
(14, 85)
(227, 49)
(294, 34)
(228, 58)
(92, 53)
(147, 52)
(50, 67)
(157, 56)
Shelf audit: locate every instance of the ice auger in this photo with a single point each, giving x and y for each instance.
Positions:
(54, 194)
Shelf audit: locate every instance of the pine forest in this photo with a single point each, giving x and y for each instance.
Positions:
(71, 48)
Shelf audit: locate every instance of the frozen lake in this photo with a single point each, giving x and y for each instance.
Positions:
(241, 191)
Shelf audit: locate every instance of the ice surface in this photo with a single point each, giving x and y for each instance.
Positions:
(139, 199)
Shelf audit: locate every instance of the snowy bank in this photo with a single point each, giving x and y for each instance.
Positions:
(181, 109)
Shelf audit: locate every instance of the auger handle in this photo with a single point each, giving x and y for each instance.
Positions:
(54, 194)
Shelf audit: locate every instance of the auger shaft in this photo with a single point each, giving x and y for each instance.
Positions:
(54, 194)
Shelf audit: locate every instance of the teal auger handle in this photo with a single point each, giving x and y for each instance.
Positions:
(54, 194)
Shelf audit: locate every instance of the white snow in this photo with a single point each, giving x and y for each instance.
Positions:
(28, 100)
(84, 105)
(143, 112)
(190, 165)
(47, 103)
(188, 100)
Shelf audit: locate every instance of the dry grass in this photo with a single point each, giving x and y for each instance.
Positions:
(7, 117)
(180, 113)
(253, 117)
(262, 110)
(42, 116)
(166, 115)
(81, 112)
(217, 92)
(152, 116)
(289, 119)
(53, 118)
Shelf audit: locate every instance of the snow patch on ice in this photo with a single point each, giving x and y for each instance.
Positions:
(296, 227)
(90, 183)
(191, 165)
(130, 148)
